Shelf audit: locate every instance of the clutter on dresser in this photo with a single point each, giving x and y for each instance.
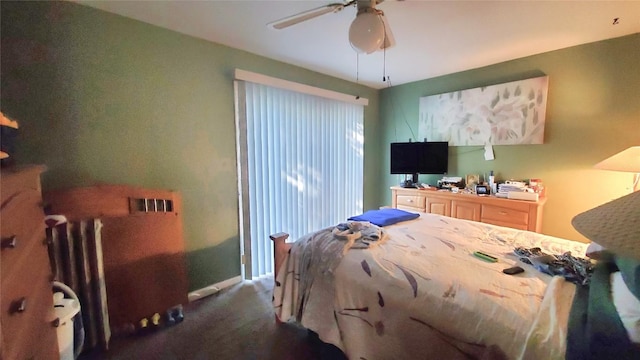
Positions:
(513, 185)
(471, 181)
(449, 182)
(8, 135)
(482, 190)
(520, 190)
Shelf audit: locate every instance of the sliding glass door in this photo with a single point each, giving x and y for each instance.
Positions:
(300, 165)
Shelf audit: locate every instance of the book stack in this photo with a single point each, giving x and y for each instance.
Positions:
(516, 190)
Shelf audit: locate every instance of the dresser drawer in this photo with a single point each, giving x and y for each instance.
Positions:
(413, 201)
(465, 210)
(22, 258)
(26, 304)
(501, 215)
(21, 229)
(34, 335)
(27, 308)
(48, 335)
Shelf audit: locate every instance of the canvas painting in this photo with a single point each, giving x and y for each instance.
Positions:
(505, 114)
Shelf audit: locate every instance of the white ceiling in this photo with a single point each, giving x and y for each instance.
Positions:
(433, 38)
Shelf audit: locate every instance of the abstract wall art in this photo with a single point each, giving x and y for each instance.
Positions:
(511, 113)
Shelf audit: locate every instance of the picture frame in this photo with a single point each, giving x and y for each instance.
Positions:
(482, 190)
(471, 181)
(516, 116)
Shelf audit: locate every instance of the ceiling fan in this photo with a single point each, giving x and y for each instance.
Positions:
(368, 32)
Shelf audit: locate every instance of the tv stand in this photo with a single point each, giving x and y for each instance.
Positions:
(517, 214)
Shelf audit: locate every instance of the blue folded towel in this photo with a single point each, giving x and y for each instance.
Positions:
(384, 217)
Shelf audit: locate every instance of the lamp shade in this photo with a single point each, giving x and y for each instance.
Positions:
(627, 160)
(366, 32)
(613, 225)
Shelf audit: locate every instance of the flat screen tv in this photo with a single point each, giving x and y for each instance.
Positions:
(419, 158)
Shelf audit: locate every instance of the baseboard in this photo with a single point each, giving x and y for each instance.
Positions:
(212, 289)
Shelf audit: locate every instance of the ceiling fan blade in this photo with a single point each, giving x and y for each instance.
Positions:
(389, 39)
(305, 15)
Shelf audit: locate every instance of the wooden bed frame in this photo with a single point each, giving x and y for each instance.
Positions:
(280, 252)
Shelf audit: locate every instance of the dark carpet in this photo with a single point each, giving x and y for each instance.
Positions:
(236, 323)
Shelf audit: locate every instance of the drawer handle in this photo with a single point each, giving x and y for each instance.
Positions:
(502, 213)
(20, 305)
(410, 200)
(10, 243)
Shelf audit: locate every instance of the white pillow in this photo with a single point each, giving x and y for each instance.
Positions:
(627, 306)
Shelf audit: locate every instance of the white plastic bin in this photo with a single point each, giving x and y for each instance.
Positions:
(65, 310)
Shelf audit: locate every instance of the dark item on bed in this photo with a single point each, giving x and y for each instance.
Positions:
(513, 270)
(574, 269)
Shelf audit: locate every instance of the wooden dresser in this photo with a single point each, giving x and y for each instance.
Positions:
(28, 320)
(517, 214)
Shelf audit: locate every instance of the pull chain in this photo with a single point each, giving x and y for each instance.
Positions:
(357, 68)
(384, 53)
(384, 63)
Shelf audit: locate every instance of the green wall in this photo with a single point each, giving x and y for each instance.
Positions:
(593, 112)
(105, 99)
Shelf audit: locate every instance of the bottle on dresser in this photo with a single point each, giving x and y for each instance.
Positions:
(492, 184)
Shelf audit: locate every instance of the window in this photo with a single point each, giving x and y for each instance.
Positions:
(300, 165)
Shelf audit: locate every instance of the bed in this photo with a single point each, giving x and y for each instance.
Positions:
(414, 289)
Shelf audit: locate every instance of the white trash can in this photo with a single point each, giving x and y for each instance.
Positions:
(65, 310)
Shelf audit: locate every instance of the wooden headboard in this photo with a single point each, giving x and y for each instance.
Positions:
(142, 246)
(110, 201)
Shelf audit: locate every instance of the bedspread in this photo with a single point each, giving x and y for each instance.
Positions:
(421, 293)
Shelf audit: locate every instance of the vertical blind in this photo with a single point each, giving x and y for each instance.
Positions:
(304, 159)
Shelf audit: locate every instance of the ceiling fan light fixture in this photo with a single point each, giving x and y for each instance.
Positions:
(366, 33)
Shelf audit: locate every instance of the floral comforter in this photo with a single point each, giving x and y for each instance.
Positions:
(417, 291)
